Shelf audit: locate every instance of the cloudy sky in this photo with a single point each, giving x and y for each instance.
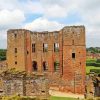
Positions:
(42, 15)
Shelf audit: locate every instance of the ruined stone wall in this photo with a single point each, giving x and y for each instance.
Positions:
(16, 58)
(13, 87)
(3, 66)
(24, 86)
(74, 67)
(50, 56)
(71, 54)
(28, 49)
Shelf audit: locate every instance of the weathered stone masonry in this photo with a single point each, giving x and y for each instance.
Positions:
(19, 83)
(59, 53)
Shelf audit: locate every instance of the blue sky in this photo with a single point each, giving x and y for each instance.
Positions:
(49, 15)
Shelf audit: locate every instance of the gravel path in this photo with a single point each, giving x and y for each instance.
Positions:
(63, 94)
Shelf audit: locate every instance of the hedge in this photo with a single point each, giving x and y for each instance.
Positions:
(95, 70)
(98, 61)
(2, 58)
(97, 64)
(93, 64)
(90, 64)
(91, 60)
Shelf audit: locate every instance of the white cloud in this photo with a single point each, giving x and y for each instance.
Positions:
(42, 24)
(32, 7)
(11, 17)
(57, 8)
(90, 11)
(9, 4)
(3, 39)
(55, 11)
(3, 43)
(91, 17)
(27, 6)
(14, 15)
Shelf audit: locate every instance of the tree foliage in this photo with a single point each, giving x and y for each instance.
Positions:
(3, 54)
(93, 49)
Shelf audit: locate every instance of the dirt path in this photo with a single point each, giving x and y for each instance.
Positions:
(63, 94)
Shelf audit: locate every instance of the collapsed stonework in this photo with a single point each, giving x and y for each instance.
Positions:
(21, 84)
(59, 54)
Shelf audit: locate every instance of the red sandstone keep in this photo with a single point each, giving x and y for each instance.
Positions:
(61, 53)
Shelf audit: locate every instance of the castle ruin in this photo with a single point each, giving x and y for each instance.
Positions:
(59, 54)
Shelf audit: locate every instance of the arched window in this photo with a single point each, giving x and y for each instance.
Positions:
(45, 66)
(34, 65)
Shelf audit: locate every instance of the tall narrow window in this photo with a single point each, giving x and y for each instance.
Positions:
(27, 52)
(72, 42)
(45, 47)
(33, 47)
(56, 66)
(45, 66)
(34, 65)
(73, 55)
(15, 50)
(56, 47)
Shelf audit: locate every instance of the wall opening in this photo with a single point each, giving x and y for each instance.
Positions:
(43, 91)
(15, 62)
(45, 47)
(45, 67)
(15, 50)
(34, 65)
(56, 66)
(33, 47)
(27, 52)
(73, 55)
(56, 47)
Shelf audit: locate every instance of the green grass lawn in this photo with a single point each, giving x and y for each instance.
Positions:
(91, 67)
(61, 98)
(91, 60)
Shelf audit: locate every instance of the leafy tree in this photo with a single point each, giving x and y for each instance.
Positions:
(93, 49)
(3, 54)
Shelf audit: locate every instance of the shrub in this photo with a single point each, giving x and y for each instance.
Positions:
(95, 70)
(2, 58)
(2, 54)
(97, 64)
(91, 60)
(98, 61)
(90, 64)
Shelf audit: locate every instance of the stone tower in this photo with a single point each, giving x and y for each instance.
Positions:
(74, 57)
(18, 49)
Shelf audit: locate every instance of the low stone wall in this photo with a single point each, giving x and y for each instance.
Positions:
(24, 86)
(34, 85)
